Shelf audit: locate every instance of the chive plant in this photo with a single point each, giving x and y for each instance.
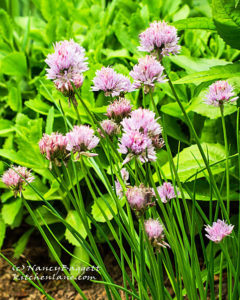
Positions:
(150, 210)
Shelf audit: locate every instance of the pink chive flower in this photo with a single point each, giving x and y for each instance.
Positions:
(109, 127)
(118, 186)
(119, 109)
(137, 144)
(142, 120)
(82, 139)
(218, 231)
(139, 197)
(54, 147)
(146, 73)
(154, 230)
(166, 192)
(111, 82)
(160, 37)
(66, 65)
(220, 92)
(14, 177)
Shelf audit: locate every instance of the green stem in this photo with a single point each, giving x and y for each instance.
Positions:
(153, 103)
(77, 113)
(227, 154)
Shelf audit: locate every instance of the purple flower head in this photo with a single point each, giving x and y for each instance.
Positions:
(220, 92)
(166, 192)
(142, 120)
(146, 73)
(218, 231)
(14, 177)
(160, 37)
(111, 82)
(82, 139)
(154, 230)
(118, 187)
(66, 65)
(134, 143)
(54, 147)
(139, 197)
(109, 127)
(119, 109)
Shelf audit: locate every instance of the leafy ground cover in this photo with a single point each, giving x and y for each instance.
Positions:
(78, 201)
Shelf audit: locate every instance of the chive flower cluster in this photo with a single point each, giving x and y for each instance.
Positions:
(67, 65)
(16, 178)
(141, 135)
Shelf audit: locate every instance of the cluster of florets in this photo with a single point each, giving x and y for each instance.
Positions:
(119, 109)
(116, 111)
(54, 147)
(161, 38)
(220, 93)
(81, 140)
(57, 147)
(218, 231)
(66, 66)
(111, 83)
(140, 197)
(166, 192)
(146, 73)
(141, 135)
(16, 177)
(154, 230)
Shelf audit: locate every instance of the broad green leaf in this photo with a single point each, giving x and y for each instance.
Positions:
(194, 64)
(14, 64)
(6, 30)
(96, 212)
(15, 99)
(121, 32)
(75, 221)
(20, 246)
(50, 121)
(10, 210)
(214, 73)
(78, 266)
(48, 217)
(227, 20)
(2, 230)
(195, 23)
(47, 8)
(173, 109)
(187, 164)
(6, 126)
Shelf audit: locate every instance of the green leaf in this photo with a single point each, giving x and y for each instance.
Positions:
(50, 121)
(96, 212)
(78, 266)
(47, 8)
(10, 210)
(194, 64)
(214, 73)
(20, 246)
(227, 20)
(15, 99)
(2, 230)
(75, 221)
(48, 217)
(187, 164)
(14, 64)
(195, 23)
(5, 26)
(6, 127)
